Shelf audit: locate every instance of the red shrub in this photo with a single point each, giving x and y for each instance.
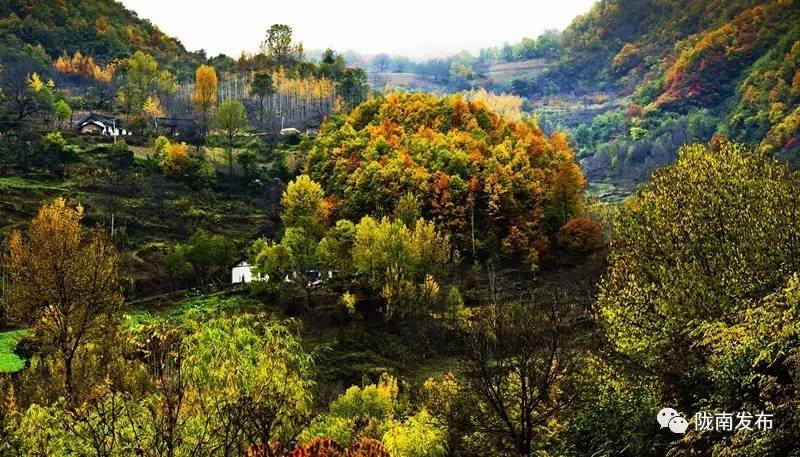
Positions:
(580, 236)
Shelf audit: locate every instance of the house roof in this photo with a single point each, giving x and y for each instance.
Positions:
(175, 121)
(95, 118)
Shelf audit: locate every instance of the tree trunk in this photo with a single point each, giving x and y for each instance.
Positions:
(68, 374)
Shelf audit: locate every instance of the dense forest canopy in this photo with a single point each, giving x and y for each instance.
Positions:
(103, 29)
(492, 183)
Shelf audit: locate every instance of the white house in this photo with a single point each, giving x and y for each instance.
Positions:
(290, 131)
(98, 124)
(242, 272)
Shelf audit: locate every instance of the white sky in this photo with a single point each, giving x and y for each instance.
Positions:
(414, 28)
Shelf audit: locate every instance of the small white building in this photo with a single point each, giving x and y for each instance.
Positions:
(290, 131)
(98, 124)
(242, 272)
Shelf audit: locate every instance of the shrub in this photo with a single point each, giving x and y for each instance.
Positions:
(580, 236)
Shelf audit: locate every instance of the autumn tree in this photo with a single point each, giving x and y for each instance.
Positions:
(517, 369)
(507, 189)
(205, 94)
(175, 160)
(84, 67)
(142, 81)
(231, 120)
(44, 95)
(152, 109)
(64, 283)
(566, 184)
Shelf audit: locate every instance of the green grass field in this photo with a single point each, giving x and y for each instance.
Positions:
(18, 182)
(10, 362)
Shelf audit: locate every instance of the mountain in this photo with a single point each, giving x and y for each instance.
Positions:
(633, 80)
(676, 71)
(103, 29)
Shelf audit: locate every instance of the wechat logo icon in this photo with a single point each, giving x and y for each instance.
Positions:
(669, 418)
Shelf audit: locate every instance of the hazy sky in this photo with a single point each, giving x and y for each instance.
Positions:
(416, 28)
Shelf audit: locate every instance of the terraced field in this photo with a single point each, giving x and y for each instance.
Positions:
(504, 72)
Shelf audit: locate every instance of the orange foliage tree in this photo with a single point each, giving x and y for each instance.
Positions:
(486, 180)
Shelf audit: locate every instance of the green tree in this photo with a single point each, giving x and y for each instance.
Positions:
(278, 43)
(231, 120)
(290, 263)
(302, 205)
(418, 436)
(334, 252)
(249, 159)
(256, 375)
(353, 86)
(62, 111)
(395, 260)
(204, 258)
(142, 81)
(703, 241)
(359, 411)
(262, 87)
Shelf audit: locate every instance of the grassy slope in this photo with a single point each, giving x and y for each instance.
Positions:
(150, 212)
(10, 362)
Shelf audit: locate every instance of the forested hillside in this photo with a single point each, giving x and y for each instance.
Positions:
(688, 70)
(103, 29)
(634, 80)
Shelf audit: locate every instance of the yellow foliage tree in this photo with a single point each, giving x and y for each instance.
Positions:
(176, 161)
(85, 67)
(64, 284)
(205, 93)
(152, 108)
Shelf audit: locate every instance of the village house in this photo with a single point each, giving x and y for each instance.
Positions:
(242, 272)
(173, 126)
(98, 124)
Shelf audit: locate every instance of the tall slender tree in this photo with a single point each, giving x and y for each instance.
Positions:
(262, 86)
(205, 95)
(231, 121)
